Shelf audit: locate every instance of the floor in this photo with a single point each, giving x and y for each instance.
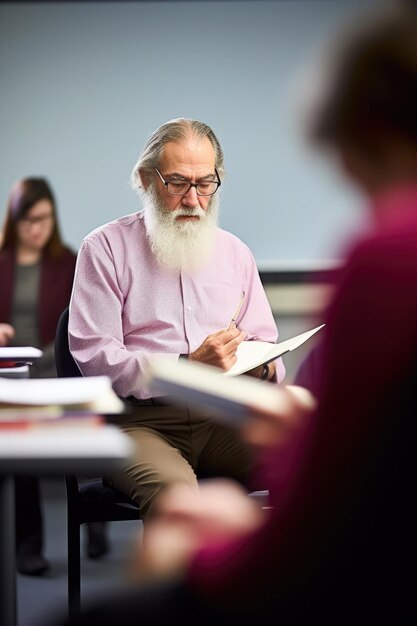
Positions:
(40, 598)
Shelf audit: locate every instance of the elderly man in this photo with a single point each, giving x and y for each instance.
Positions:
(167, 280)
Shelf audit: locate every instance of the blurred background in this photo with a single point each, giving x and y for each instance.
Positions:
(84, 83)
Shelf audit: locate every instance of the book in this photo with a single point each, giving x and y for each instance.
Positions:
(14, 356)
(21, 421)
(251, 354)
(230, 398)
(15, 371)
(31, 398)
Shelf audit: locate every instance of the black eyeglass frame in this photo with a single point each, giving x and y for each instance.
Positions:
(218, 182)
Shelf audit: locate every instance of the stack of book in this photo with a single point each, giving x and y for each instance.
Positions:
(15, 361)
(52, 402)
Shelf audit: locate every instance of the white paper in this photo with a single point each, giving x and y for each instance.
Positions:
(20, 353)
(205, 386)
(95, 392)
(251, 354)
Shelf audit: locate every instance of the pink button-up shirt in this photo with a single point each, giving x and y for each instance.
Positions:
(125, 307)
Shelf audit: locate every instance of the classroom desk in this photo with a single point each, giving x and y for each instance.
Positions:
(44, 452)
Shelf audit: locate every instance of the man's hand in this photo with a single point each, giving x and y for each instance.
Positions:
(219, 349)
(6, 334)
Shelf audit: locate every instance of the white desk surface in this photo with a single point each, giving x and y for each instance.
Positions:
(63, 450)
(56, 451)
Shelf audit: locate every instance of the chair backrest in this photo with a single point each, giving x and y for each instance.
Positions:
(87, 500)
(64, 362)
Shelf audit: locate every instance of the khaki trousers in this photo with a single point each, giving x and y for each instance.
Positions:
(175, 444)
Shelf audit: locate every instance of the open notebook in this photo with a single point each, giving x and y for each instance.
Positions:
(251, 354)
(228, 394)
(229, 399)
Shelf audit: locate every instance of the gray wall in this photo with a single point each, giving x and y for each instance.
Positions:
(83, 84)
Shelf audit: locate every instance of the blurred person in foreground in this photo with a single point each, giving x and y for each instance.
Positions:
(336, 547)
(167, 280)
(37, 271)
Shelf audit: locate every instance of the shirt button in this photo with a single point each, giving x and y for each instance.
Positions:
(188, 308)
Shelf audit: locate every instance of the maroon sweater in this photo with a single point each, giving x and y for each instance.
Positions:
(56, 279)
(340, 532)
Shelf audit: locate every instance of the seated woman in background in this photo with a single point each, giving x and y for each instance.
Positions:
(37, 271)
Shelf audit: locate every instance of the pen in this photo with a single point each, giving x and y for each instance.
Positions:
(236, 313)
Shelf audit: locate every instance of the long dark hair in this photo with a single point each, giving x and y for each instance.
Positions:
(24, 195)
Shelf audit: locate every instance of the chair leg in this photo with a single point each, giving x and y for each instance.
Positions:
(74, 568)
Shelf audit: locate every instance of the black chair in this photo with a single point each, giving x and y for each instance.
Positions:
(87, 500)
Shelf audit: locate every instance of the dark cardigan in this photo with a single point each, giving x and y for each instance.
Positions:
(56, 280)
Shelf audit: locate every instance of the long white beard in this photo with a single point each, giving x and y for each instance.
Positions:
(178, 244)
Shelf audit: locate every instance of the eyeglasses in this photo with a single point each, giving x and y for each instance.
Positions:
(182, 187)
(28, 222)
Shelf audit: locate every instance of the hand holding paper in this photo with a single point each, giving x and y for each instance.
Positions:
(219, 348)
(251, 354)
(229, 395)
